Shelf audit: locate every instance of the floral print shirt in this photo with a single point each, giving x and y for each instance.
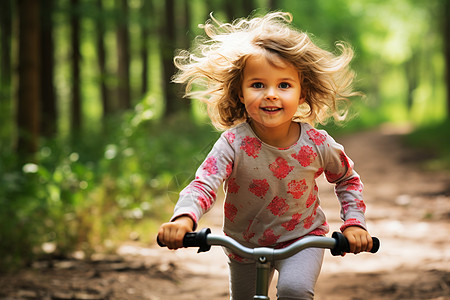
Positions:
(271, 195)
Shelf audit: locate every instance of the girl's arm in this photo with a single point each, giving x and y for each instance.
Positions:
(199, 195)
(339, 170)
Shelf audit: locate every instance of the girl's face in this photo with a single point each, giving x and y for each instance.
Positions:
(270, 92)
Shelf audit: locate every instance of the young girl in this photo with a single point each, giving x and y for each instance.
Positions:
(266, 83)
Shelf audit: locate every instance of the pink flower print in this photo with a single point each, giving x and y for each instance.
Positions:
(353, 184)
(204, 202)
(259, 187)
(251, 146)
(319, 231)
(230, 211)
(305, 156)
(230, 136)
(268, 238)
(247, 235)
(316, 136)
(351, 222)
(229, 169)
(316, 206)
(360, 205)
(344, 159)
(233, 187)
(332, 177)
(318, 173)
(345, 205)
(290, 225)
(280, 168)
(308, 222)
(236, 257)
(311, 199)
(278, 206)
(297, 188)
(210, 165)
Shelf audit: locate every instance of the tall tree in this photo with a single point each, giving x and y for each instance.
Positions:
(76, 105)
(123, 53)
(185, 43)
(5, 73)
(168, 45)
(273, 4)
(5, 48)
(146, 23)
(247, 6)
(48, 99)
(230, 10)
(101, 58)
(28, 104)
(411, 67)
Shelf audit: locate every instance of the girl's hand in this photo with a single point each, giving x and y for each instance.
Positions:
(172, 233)
(358, 239)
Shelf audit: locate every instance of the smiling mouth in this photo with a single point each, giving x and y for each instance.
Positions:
(271, 109)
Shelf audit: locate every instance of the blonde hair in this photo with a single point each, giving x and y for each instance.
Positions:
(213, 70)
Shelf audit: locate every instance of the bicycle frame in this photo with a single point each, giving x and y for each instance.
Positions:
(264, 257)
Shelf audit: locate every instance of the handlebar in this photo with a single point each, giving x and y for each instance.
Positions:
(203, 239)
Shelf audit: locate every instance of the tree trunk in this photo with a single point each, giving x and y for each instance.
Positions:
(5, 73)
(185, 104)
(48, 99)
(168, 42)
(5, 49)
(273, 5)
(76, 117)
(247, 6)
(412, 79)
(28, 108)
(123, 53)
(146, 17)
(101, 58)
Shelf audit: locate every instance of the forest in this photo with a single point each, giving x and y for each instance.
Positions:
(95, 140)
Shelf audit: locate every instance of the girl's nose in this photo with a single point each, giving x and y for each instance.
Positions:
(271, 94)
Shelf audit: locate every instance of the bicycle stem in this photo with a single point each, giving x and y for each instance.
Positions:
(263, 270)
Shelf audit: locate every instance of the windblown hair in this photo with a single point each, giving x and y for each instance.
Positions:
(213, 70)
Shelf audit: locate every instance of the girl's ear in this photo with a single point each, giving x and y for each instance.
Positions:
(303, 89)
(241, 97)
(302, 96)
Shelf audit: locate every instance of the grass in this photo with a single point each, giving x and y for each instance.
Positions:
(435, 140)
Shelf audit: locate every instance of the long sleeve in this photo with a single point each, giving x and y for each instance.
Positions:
(200, 195)
(348, 186)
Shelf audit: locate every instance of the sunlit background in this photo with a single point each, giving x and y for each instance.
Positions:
(95, 141)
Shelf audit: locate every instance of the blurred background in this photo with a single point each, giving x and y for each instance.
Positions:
(95, 141)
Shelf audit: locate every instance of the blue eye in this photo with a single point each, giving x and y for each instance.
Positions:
(257, 85)
(284, 85)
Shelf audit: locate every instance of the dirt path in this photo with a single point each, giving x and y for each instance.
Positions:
(409, 210)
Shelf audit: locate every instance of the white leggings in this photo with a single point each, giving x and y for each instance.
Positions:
(297, 276)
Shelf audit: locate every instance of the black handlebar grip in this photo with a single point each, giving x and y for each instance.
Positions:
(197, 239)
(376, 245)
(342, 245)
(194, 239)
(159, 242)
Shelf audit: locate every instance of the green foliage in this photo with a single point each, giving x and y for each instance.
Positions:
(99, 191)
(435, 141)
(119, 179)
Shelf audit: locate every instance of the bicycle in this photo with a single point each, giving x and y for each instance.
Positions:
(264, 256)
